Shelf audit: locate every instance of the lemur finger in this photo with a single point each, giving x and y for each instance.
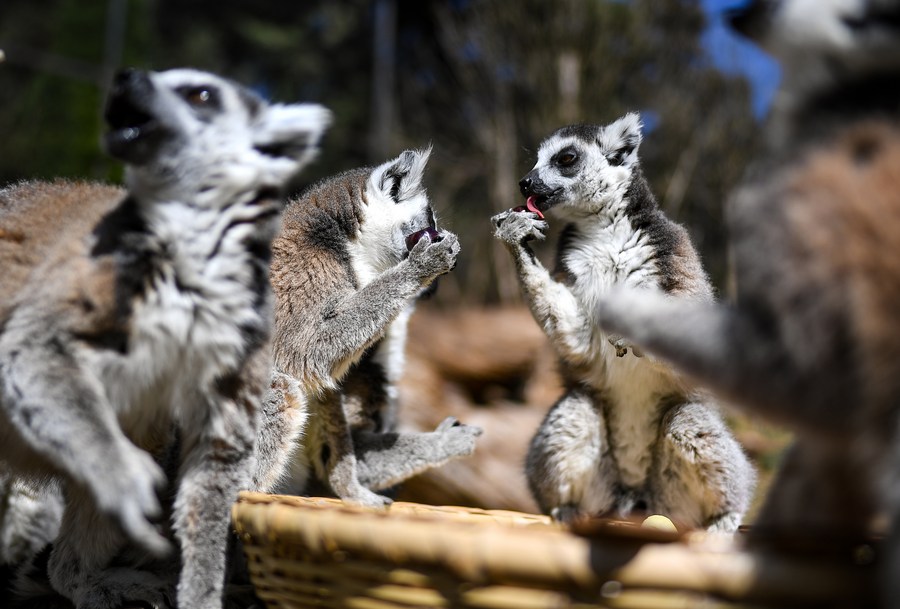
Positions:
(498, 219)
(447, 424)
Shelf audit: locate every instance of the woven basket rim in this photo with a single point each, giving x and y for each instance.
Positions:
(487, 547)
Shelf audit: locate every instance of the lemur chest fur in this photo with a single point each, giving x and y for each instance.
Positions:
(598, 254)
(369, 257)
(196, 306)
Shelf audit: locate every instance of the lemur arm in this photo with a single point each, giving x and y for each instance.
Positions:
(348, 321)
(59, 411)
(553, 305)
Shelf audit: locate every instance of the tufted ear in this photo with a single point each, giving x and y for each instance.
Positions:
(289, 131)
(619, 140)
(401, 179)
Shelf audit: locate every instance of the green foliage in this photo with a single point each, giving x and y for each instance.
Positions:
(483, 80)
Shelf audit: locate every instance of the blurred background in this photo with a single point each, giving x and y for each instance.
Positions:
(483, 81)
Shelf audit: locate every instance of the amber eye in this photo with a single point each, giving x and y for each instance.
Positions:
(566, 159)
(198, 96)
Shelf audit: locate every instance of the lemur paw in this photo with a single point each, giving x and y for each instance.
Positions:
(459, 438)
(566, 514)
(363, 496)
(517, 227)
(622, 345)
(128, 492)
(430, 259)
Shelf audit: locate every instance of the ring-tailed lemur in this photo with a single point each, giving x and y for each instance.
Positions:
(127, 318)
(629, 433)
(812, 337)
(353, 255)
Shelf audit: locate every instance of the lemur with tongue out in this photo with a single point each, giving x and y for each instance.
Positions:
(629, 435)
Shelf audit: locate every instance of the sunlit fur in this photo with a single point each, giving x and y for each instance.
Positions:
(629, 434)
(811, 338)
(345, 287)
(133, 337)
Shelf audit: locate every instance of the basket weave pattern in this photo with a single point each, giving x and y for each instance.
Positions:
(315, 552)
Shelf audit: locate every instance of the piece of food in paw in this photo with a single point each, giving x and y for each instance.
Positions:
(413, 238)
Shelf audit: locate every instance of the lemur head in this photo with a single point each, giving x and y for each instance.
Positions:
(397, 211)
(820, 42)
(584, 169)
(190, 134)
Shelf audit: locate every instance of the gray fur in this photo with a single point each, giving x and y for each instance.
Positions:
(812, 337)
(30, 515)
(629, 434)
(345, 287)
(134, 329)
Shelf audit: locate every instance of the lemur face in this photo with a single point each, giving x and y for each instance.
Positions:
(397, 211)
(186, 129)
(828, 37)
(583, 168)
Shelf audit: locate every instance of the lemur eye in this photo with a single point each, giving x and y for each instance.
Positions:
(566, 159)
(198, 96)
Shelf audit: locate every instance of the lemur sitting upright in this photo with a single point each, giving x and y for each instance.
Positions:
(130, 318)
(629, 435)
(812, 337)
(353, 255)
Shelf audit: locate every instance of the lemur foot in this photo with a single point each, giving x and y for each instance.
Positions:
(516, 227)
(622, 346)
(458, 438)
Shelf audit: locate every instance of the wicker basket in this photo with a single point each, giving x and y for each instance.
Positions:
(313, 552)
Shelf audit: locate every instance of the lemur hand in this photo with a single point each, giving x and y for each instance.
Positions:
(517, 227)
(430, 259)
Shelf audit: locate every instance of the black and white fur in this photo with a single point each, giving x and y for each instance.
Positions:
(811, 338)
(629, 434)
(345, 287)
(134, 344)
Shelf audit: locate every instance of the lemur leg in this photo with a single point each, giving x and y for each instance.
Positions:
(284, 414)
(217, 461)
(79, 569)
(59, 414)
(701, 476)
(336, 459)
(386, 459)
(552, 304)
(568, 467)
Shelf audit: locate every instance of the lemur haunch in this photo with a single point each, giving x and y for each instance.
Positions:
(353, 255)
(812, 337)
(629, 434)
(128, 318)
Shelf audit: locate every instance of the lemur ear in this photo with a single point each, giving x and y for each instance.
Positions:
(401, 179)
(619, 140)
(290, 130)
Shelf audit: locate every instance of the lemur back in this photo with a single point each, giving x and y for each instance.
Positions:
(354, 253)
(136, 322)
(629, 434)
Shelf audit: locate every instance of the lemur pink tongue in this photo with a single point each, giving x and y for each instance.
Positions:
(529, 204)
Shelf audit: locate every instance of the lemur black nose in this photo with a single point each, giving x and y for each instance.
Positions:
(525, 185)
(132, 81)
